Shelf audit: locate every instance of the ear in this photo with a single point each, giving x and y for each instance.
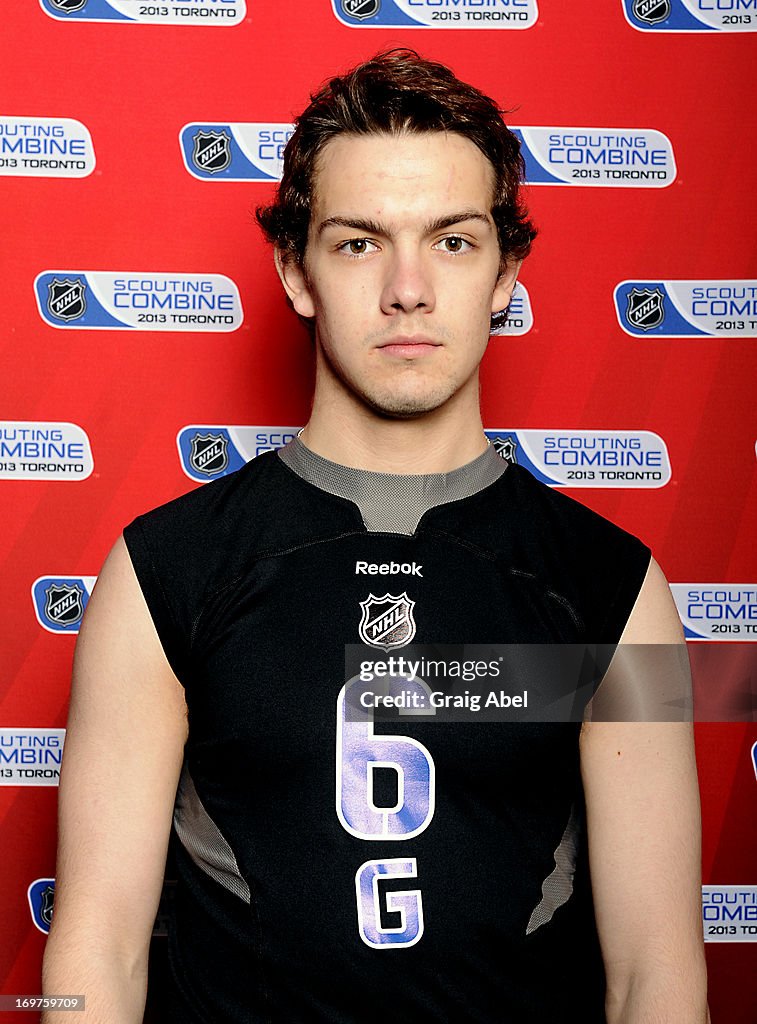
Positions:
(503, 289)
(295, 282)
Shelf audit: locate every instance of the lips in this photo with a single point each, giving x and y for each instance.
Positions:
(409, 347)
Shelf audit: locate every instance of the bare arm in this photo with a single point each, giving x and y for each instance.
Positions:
(121, 762)
(642, 803)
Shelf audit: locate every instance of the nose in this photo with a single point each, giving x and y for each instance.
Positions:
(407, 286)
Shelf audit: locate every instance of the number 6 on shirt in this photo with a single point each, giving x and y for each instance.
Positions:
(359, 751)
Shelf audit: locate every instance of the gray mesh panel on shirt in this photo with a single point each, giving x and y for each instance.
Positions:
(557, 887)
(392, 502)
(202, 839)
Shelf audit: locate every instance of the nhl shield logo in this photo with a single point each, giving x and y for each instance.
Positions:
(498, 320)
(47, 898)
(646, 308)
(212, 151)
(387, 621)
(63, 603)
(651, 11)
(66, 300)
(505, 448)
(68, 6)
(210, 453)
(41, 895)
(361, 10)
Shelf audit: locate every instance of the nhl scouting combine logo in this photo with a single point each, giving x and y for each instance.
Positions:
(212, 151)
(721, 308)
(596, 156)
(586, 458)
(209, 454)
(387, 621)
(31, 757)
(208, 451)
(518, 318)
(106, 300)
(433, 14)
(49, 451)
(728, 913)
(651, 12)
(63, 603)
(238, 151)
(691, 15)
(717, 611)
(45, 147)
(200, 13)
(66, 299)
(646, 308)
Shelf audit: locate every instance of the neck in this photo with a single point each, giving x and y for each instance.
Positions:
(343, 429)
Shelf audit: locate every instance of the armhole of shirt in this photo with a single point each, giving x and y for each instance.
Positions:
(158, 605)
(629, 583)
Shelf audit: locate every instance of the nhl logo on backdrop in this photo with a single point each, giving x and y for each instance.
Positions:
(47, 898)
(212, 151)
(505, 447)
(68, 6)
(41, 895)
(66, 300)
(498, 319)
(361, 9)
(651, 11)
(646, 308)
(209, 453)
(63, 603)
(387, 621)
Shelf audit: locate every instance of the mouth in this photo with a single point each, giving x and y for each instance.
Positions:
(409, 347)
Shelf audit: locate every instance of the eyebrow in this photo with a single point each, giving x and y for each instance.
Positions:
(372, 227)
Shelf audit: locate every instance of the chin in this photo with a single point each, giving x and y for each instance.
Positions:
(405, 407)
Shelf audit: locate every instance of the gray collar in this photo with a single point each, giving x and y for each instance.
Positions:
(392, 502)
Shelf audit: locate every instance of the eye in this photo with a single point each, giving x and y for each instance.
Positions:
(357, 247)
(453, 244)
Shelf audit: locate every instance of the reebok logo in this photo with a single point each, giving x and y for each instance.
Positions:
(388, 569)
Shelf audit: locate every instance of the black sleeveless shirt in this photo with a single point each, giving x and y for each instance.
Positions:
(303, 897)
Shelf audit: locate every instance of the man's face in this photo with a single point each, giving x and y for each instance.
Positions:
(402, 268)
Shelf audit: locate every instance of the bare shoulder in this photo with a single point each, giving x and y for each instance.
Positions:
(118, 635)
(642, 808)
(122, 757)
(116, 600)
(654, 618)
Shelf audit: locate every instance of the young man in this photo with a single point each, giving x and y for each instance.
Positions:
(212, 657)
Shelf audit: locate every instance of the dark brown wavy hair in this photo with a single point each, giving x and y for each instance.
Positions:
(397, 91)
